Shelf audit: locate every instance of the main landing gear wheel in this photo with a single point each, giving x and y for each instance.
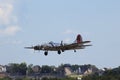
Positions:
(59, 52)
(45, 53)
(74, 50)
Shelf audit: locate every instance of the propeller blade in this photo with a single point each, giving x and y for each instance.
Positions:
(29, 47)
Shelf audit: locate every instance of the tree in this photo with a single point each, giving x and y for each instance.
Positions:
(13, 68)
(46, 69)
(29, 69)
(22, 68)
(17, 69)
(113, 74)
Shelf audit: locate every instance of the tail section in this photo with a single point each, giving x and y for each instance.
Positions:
(78, 39)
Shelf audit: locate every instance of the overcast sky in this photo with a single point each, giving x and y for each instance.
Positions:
(31, 22)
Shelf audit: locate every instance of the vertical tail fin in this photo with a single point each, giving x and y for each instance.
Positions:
(78, 39)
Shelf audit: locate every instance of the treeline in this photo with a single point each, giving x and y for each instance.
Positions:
(24, 69)
(16, 69)
(45, 78)
(113, 74)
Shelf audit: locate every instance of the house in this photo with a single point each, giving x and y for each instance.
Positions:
(67, 71)
(36, 68)
(2, 68)
(3, 71)
(88, 71)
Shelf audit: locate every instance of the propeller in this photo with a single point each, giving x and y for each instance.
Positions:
(37, 47)
(29, 47)
(32, 47)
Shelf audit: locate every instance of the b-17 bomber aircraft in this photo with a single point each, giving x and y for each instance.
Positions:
(61, 47)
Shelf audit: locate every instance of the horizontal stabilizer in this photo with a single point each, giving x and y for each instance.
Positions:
(87, 45)
(86, 42)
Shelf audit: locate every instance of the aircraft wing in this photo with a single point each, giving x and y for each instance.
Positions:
(74, 46)
(60, 47)
(83, 42)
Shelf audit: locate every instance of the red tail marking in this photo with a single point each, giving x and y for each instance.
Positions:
(79, 38)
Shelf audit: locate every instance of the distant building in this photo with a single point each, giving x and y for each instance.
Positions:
(3, 71)
(67, 71)
(2, 75)
(88, 71)
(36, 68)
(2, 68)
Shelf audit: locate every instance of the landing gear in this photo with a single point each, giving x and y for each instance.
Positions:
(59, 52)
(45, 53)
(62, 50)
(74, 50)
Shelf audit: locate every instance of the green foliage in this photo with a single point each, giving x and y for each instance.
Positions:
(29, 69)
(74, 67)
(113, 74)
(5, 78)
(45, 78)
(46, 69)
(67, 78)
(15, 68)
(22, 68)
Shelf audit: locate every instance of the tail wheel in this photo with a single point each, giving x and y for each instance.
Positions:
(45, 53)
(59, 52)
(62, 50)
